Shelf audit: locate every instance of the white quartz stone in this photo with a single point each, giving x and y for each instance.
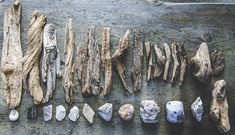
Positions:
(106, 111)
(60, 112)
(14, 115)
(88, 113)
(149, 111)
(197, 109)
(74, 113)
(47, 112)
(175, 111)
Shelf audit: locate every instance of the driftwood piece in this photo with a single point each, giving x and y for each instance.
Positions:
(67, 79)
(137, 60)
(107, 60)
(217, 62)
(50, 61)
(160, 61)
(168, 60)
(118, 57)
(183, 63)
(12, 56)
(32, 57)
(149, 58)
(219, 106)
(174, 50)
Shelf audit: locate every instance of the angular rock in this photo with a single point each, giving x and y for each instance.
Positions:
(74, 113)
(106, 111)
(47, 112)
(126, 112)
(14, 115)
(149, 111)
(197, 109)
(88, 113)
(175, 111)
(32, 113)
(60, 112)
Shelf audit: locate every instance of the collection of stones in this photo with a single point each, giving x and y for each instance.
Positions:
(170, 63)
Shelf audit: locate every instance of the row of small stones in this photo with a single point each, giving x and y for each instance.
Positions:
(149, 111)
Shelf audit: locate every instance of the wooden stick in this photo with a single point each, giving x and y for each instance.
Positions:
(168, 60)
(149, 60)
(183, 63)
(160, 61)
(174, 50)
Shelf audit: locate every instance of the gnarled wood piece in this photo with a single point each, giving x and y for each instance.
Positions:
(183, 63)
(219, 107)
(12, 56)
(107, 60)
(137, 60)
(168, 60)
(118, 55)
(160, 61)
(32, 57)
(217, 62)
(51, 60)
(174, 50)
(67, 79)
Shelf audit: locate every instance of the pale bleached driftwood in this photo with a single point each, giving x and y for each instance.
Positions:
(50, 61)
(12, 56)
(174, 53)
(149, 62)
(183, 63)
(168, 60)
(67, 79)
(32, 57)
(160, 61)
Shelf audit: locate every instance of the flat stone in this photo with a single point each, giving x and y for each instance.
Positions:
(175, 111)
(60, 112)
(47, 112)
(106, 111)
(14, 115)
(149, 111)
(88, 113)
(197, 109)
(126, 112)
(32, 113)
(74, 113)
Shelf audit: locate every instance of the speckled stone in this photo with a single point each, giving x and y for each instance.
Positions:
(197, 109)
(149, 111)
(14, 115)
(73, 113)
(60, 112)
(126, 112)
(47, 112)
(175, 111)
(88, 113)
(106, 111)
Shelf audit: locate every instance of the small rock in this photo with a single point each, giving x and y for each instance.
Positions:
(175, 111)
(14, 115)
(47, 112)
(126, 112)
(88, 113)
(74, 113)
(60, 112)
(149, 111)
(106, 111)
(32, 112)
(197, 109)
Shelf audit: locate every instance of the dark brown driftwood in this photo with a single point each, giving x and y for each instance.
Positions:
(12, 56)
(67, 79)
(217, 62)
(32, 57)
(137, 60)
(107, 60)
(219, 106)
(51, 60)
(118, 57)
(168, 60)
(183, 63)
(174, 50)
(160, 61)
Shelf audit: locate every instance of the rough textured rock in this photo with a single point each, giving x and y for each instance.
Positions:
(175, 111)
(197, 109)
(14, 115)
(12, 56)
(149, 111)
(32, 112)
(106, 111)
(47, 112)
(73, 113)
(60, 112)
(126, 112)
(183, 63)
(168, 60)
(88, 113)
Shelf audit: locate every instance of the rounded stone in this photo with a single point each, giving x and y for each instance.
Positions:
(47, 112)
(73, 113)
(149, 111)
(106, 111)
(197, 109)
(14, 115)
(60, 112)
(175, 111)
(126, 112)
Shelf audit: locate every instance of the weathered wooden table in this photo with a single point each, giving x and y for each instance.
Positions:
(166, 22)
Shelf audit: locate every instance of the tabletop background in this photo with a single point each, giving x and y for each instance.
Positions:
(161, 22)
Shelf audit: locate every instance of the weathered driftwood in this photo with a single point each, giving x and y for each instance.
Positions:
(12, 56)
(174, 50)
(32, 57)
(168, 60)
(118, 57)
(217, 62)
(137, 60)
(149, 61)
(107, 60)
(219, 106)
(50, 61)
(67, 79)
(160, 61)
(183, 63)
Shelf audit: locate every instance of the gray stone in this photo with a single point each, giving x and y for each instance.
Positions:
(14, 115)
(47, 112)
(175, 111)
(106, 111)
(126, 112)
(149, 111)
(88, 113)
(60, 112)
(197, 109)
(74, 113)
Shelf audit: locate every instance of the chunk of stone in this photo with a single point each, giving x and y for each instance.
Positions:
(175, 111)
(106, 111)
(149, 111)
(60, 112)
(88, 113)
(47, 112)
(32, 113)
(197, 109)
(14, 115)
(74, 113)
(126, 112)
